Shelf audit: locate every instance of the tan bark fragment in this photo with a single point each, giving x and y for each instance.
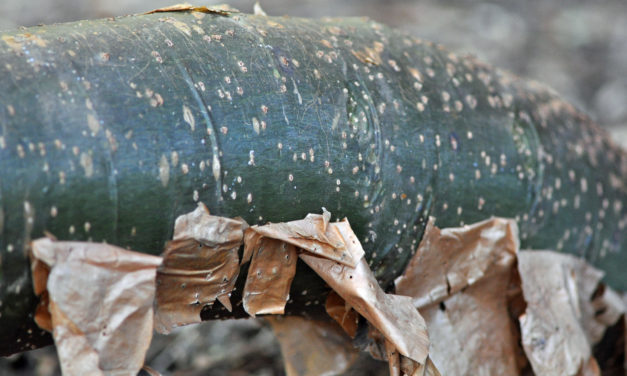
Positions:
(342, 313)
(601, 307)
(200, 265)
(101, 300)
(251, 239)
(192, 275)
(467, 271)
(40, 272)
(220, 9)
(557, 288)
(312, 348)
(316, 235)
(393, 315)
(464, 255)
(209, 229)
(270, 276)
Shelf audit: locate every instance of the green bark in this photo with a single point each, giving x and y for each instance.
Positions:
(110, 129)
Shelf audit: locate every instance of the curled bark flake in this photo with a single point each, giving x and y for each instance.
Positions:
(553, 336)
(219, 9)
(342, 313)
(199, 266)
(209, 229)
(316, 235)
(191, 276)
(393, 315)
(333, 251)
(467, 271)
(40, 272)
(270, 276)
(102, 316)
(464, 256)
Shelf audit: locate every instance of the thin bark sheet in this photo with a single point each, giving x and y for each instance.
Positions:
(316, 235)
(101, 316)
(312, 348)
(558, 289)
(464, 256)
(342, 313)
(333, 251)
(220, 9)
(393, 315)
(199, 266)
(270, 276)
(459, 277)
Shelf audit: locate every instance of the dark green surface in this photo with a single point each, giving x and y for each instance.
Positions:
(93, 114)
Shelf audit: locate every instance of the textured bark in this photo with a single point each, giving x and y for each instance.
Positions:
(110, 129)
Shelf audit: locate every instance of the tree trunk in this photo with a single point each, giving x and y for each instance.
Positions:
(112, 128)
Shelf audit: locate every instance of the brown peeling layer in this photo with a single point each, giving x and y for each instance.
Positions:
(467, 271)
(220, 9)
(191, 276)
(333, 251)
(199, 266)
(102, 316)
(464, 256)
(312, 348)
(209, 229)
(342, 313)
(556, 328)
(40, 272)
(398, 364)
(316, 235)
(270, 276)
(393, 315)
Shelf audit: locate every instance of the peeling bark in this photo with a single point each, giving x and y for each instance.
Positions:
(102, 317)
(199, 266)
(560, 324)
(110, 129)
(458, 278)
(270, 276)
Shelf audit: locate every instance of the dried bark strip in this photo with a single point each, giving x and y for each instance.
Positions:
(333, 251)
(560, 321)
(315, 234)
(100, 304)
(342, 313)
(393, 315)
(269, 277)
(199, 266)
(467, 271)
(220, 9)
(451, 259)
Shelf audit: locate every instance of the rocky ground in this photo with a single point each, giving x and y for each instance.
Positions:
(577, 47)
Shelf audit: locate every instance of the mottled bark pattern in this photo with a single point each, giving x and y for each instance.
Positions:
(110, 129)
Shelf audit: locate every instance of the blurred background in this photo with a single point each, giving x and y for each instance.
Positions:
(577, 47)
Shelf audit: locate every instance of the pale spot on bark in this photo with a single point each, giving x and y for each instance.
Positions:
(256, 125)
(93, 124)
(164, 170)
(88, 164)
(189, 117)
(215, 166)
